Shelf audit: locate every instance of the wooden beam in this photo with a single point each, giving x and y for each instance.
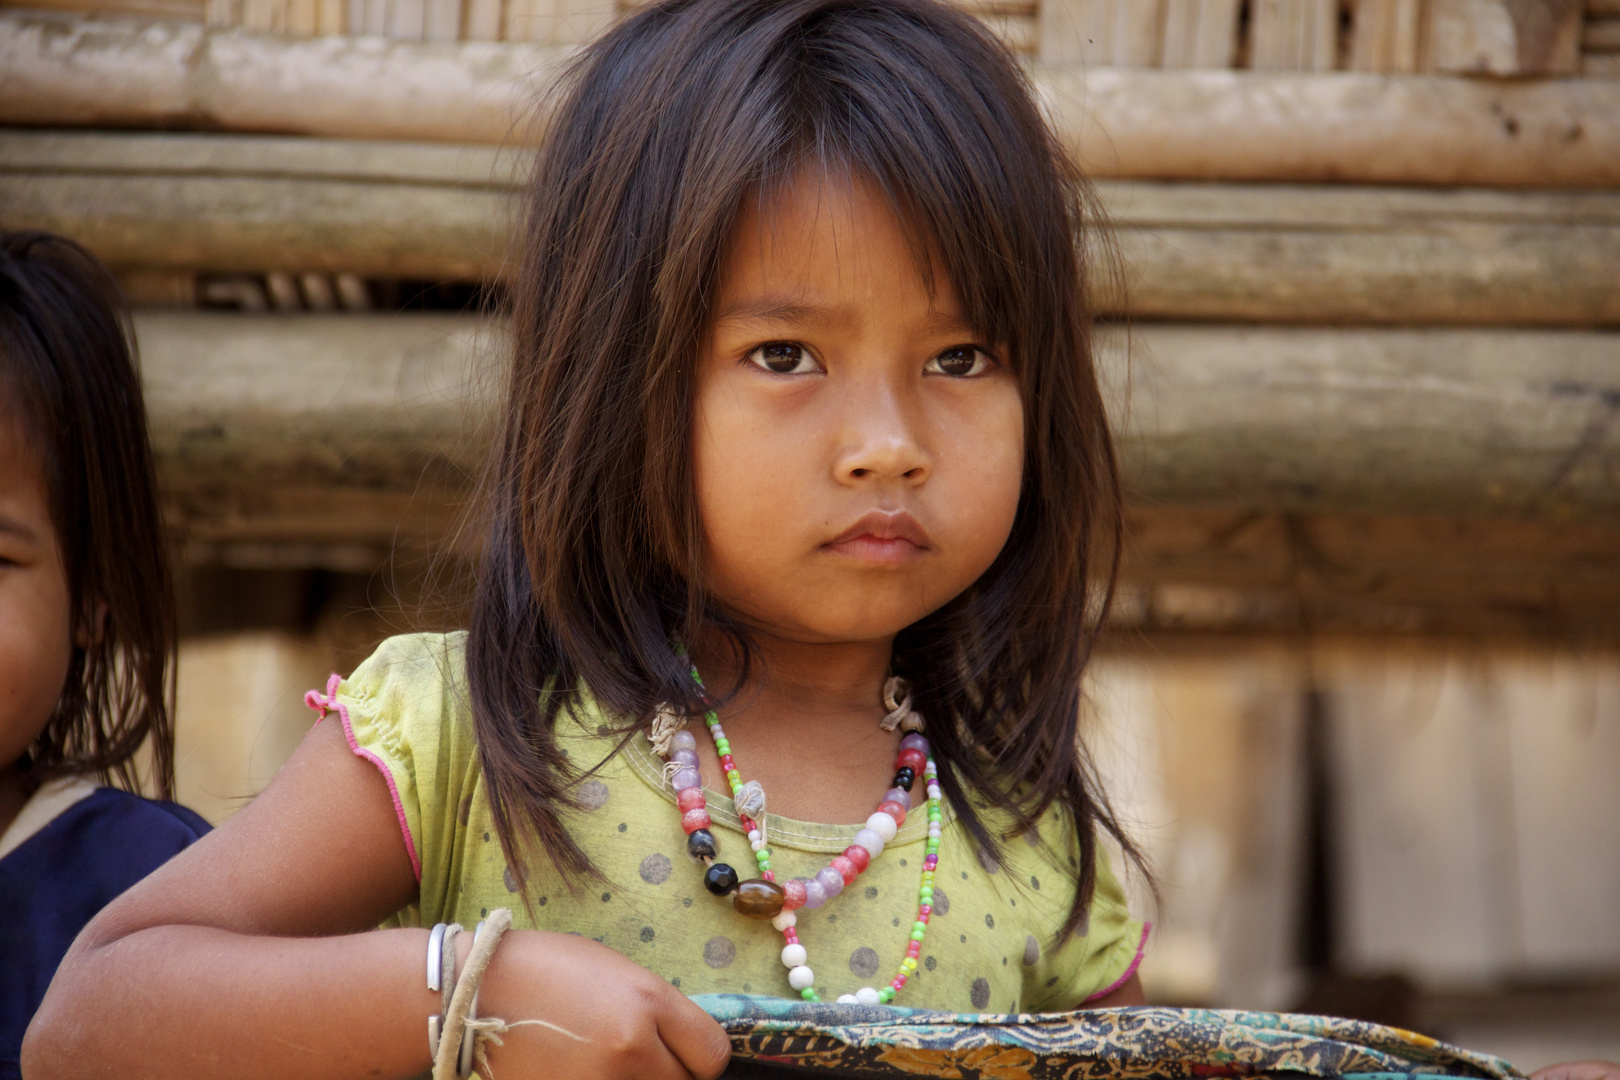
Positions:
(1516, 424)
(66, 69)
(1189, 570)
(1340, 126)
(1508, 423)
(1298, 253)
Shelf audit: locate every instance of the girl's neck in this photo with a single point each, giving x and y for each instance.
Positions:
(845, 676)
(805, 724)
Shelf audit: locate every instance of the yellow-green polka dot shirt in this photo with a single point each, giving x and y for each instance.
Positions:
(989, 946)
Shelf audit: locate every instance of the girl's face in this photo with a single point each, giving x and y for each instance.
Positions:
(858, 450)
(36, 624)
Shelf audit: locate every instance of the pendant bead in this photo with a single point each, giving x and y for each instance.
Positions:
(910, 758)
(757, 898)
(700, 844)
(882, 824)
(720, 879)
(693, 820)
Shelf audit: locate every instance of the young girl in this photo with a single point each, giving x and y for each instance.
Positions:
(86, 619)
(803, 451)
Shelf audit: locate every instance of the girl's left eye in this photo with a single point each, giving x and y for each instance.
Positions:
(783, 358)
(962, 361)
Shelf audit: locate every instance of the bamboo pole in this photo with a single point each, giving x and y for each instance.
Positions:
(1297, 253)
(1507, 423)
(65, 69)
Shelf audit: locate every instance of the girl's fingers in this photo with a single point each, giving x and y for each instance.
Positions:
(698, 1043)
(1579, 1070)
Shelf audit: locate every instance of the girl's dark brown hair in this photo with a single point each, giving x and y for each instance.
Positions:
(593, 564)
(71, 387)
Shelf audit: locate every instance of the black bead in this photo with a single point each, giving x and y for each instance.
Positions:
(720, 879)
(905, 778)
(700, 844)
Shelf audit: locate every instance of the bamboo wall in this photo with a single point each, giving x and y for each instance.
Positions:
(1364, 362)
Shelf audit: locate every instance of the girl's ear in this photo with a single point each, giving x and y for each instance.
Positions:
(92, 628)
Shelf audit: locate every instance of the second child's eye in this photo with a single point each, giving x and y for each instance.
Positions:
(783, 358)
(962, 361)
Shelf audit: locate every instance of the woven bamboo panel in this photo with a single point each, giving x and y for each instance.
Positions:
(1492, 37)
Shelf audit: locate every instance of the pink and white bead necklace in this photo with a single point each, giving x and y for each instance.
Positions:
(762, 897)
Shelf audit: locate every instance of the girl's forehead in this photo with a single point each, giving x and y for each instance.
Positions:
(825, 234)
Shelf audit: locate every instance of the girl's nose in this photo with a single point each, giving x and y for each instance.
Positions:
(881, 440)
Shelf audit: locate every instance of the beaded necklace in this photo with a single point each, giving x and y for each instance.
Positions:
(763, 897)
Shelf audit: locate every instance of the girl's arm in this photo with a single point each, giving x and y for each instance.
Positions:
(1128, 994)
(250, 955)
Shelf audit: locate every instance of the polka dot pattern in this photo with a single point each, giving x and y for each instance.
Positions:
(655, 868)
(864, 962)
(651, 907)
(719, 952)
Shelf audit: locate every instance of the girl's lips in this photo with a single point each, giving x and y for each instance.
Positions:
(871, 549)
(882, 536)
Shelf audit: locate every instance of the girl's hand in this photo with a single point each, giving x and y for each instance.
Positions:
(1579, 1070)
(627, 1022)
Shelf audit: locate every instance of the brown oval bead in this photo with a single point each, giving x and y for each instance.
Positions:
(758, 898)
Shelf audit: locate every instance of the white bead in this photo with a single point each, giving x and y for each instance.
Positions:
(782, 920)
(871, 841)
(866, 996)
(848, 999)
(754, 837)
(883, 825)
(933, 832)
(801, 978)
(794, 956)
(757, 845)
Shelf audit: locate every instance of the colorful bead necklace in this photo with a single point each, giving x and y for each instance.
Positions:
(763, 897)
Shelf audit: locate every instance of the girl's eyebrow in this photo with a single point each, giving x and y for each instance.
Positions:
(782, 309)
(774, 309)
(18, 529)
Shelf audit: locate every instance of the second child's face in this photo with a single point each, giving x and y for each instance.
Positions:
(858, 451)
(36, 625)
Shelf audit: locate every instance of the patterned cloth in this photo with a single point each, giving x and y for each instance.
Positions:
(772, 1038)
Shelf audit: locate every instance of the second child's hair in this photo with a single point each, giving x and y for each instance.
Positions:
(593, 567)
(70, 386)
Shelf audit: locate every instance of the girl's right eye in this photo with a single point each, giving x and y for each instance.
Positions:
(783, 358)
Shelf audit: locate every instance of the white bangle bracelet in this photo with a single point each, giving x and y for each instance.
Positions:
(441, 972)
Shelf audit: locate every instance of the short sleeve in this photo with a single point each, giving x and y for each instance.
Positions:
(403, 710)
(1101, 956)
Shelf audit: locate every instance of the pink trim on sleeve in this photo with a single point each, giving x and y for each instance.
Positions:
(325, 703)
(1141, 947)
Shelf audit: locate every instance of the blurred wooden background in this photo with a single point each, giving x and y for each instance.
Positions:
(1362, 696)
